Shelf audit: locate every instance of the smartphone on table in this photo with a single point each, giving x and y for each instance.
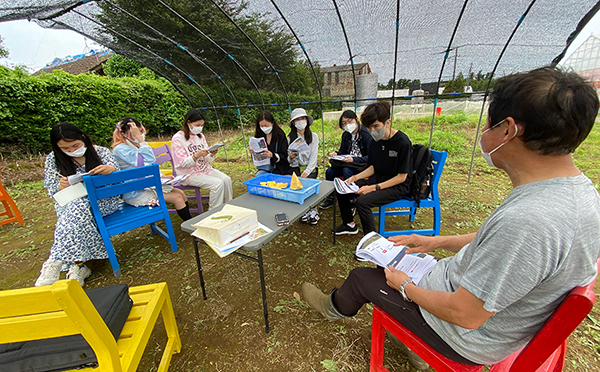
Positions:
(281, 219)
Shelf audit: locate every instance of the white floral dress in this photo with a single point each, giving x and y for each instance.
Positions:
(76, 237)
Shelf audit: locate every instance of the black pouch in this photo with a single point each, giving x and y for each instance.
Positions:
(357, 167)
(62, 353)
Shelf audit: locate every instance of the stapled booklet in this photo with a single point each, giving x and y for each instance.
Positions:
(377, 249)
(344, 188)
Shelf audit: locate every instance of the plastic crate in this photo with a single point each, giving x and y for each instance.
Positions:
(297, 196)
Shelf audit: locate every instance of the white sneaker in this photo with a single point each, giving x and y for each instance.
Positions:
(79, 273)
(49, 274)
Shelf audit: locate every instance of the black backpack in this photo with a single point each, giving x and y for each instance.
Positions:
(420, 184)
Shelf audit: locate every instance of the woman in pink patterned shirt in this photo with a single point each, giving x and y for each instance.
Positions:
(192, 158)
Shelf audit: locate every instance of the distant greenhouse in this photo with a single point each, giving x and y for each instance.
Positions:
(586, 60)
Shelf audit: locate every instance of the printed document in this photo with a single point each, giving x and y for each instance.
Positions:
(170, 181)
(259, 145)
(338, 157)
(344, 188)
(377, 249)
(225, 250)
(299, 145)
(216, 146)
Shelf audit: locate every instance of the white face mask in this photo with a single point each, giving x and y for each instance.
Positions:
(77, 153)
(300, 124)
(488, 155)
(350, 128)
(196, 130)
(266, 130)
(135, 140)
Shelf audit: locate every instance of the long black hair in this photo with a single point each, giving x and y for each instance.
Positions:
(268, 116)
(307, 134)
(69, 132)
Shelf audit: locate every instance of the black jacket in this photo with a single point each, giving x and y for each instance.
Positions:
(364, 141)
(279, 147)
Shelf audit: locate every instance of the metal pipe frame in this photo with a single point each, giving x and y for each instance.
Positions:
(487, 89)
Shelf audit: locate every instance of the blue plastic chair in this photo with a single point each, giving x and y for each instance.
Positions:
(433, 201)
(128, 217)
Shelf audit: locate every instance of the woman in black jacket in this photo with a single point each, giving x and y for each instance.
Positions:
(354, 149)
(277, 146)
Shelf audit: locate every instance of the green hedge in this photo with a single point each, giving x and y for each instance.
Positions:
(31, 105)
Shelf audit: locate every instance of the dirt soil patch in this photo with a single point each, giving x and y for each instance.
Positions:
(226, 332)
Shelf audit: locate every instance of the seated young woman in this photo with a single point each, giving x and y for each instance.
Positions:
(129, 141)
(277, 146)
(192, 157)
(304, 163)
(76, 236)
(355, 144)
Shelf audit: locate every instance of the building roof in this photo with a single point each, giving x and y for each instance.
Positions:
(334, 68)
(85, 64)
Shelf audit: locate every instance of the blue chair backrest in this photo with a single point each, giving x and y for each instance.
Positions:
(439, 159)
(121, 182)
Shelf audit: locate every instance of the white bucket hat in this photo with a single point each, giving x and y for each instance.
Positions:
(298, 113)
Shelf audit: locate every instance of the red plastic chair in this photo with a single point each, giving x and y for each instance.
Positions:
(163, 155)
(10, 208)
(545, 352)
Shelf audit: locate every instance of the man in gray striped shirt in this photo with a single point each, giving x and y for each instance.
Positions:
(487, 301)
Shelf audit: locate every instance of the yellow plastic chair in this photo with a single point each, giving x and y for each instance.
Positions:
(64, 309)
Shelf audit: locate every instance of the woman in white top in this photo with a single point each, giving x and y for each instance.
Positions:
(129, 141)
(192, 158)
(304, 163)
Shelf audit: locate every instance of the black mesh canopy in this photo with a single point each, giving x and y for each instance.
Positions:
(261, 45)
(175, 38)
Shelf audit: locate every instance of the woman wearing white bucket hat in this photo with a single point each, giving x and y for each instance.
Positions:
(304, 163)
(300, 123)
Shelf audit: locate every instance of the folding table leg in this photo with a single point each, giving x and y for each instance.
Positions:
(199, 268)
(264, 289)
(334, 213)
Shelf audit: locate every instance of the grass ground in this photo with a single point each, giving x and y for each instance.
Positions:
(226, 331)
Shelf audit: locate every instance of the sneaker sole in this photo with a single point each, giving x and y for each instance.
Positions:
(346, 232)
(327, 207)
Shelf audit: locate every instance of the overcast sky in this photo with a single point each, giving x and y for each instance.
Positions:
(34, 46)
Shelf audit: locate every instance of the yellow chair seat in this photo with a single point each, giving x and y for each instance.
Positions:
(64, 309)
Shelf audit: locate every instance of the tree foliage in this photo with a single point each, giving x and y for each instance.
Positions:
(188, 47)
(3, 50)
(402, 84)
(120, 66)
(478, 82)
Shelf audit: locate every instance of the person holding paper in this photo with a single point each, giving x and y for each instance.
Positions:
(490, 298)
(388, 175)
(354, 148)
(192, 157)
(277, 146)
(76, 236)
(129, 142)
(303, 151)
